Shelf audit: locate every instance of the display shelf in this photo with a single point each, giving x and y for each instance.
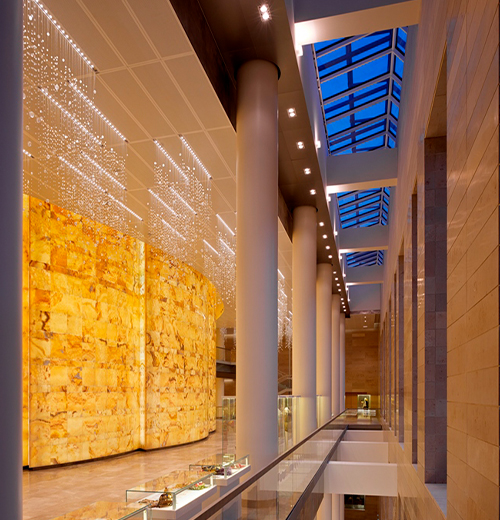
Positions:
(109, 511)
(182, 493)
(224, 467)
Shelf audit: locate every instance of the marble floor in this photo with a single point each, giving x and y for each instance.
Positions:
(49, 493)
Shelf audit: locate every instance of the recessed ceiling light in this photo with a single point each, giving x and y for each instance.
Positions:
(336, 279)
(328, 247)
(313, 192)
(264, 12)
(325, 236)
(300, 145)
(307, 171)
(321, 224)
(291, 112)
(330, 256)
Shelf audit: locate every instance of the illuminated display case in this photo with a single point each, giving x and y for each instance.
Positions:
(110, 511)
(287, 421)
(223, 467)
(175, 494)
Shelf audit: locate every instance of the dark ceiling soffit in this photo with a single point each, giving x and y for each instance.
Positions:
(200, 35)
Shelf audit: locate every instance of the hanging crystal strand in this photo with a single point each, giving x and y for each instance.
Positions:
(79, 152)
(226, 269)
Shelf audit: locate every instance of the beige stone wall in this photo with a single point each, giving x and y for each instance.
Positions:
(91, 381)
(469, 30)
(361, 367)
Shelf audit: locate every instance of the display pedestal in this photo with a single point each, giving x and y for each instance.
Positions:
(188, 504)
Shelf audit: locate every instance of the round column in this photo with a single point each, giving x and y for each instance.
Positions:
(335, 354)
(342, 363)
(304, 316)
(11, 214)
(257, 262)
(324, 342)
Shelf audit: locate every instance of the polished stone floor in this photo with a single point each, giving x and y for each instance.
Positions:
(49, 493)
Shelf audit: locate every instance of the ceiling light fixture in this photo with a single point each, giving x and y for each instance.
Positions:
(313, 192)
(264, 12)
(225, 225)
(327, 247)
(291, 112)
(196, 158)
(325, 236)
(307, 171)
(321, 224)
(318, 145)
(330, 256)
(213, 249)
(300, 145)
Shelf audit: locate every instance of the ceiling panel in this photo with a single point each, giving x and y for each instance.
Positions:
(128, 91)
(83, 31)
(227, 187)
(210, 156)
(162, 26)
(115, 112)
(121, 29)
(193, 81)
(158, 83)
(225, 140)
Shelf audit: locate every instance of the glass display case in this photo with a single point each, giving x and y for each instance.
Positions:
(364, 401)
(173, 491)
(110, 511)
(221, 465)
(287, 421)
(228, 425)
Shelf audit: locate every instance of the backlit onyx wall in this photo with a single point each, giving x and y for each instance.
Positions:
(119, 342)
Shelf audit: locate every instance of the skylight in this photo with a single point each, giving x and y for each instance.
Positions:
(360, 81)
(360, 85)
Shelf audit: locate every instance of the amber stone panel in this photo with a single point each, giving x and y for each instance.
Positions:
(84, 325)
(181, 309)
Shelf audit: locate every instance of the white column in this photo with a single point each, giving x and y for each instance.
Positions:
(257, 262)
(325, 508)
(11, 211)
(342, 363)
(336, 506)
(304, 316)
(324, 342)
(335, 354)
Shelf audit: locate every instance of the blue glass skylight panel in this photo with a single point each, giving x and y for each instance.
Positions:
(392, 128)
(396, 90)
(398, 67)
(363, 208)
(365, 258)
(394, 111)
(401, 38)
(356, 52)
(357, 136)
(360, 82)
(357, 100)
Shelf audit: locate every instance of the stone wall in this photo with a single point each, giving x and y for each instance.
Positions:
(119, 342)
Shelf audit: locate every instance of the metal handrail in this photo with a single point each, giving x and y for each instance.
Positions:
(219, 504)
